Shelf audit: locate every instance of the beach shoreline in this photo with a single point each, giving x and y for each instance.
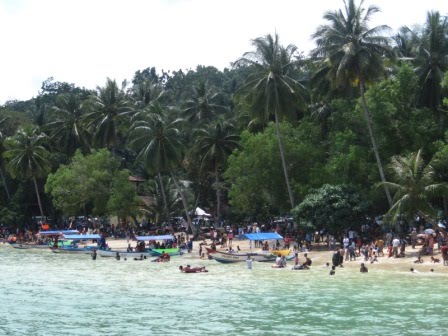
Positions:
(322, 255)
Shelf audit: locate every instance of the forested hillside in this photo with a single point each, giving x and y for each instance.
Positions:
(359, 123)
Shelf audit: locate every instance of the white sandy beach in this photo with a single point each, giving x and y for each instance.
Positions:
(322, 255)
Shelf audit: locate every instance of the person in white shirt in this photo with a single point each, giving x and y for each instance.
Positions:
(346, 243)
(395, 245)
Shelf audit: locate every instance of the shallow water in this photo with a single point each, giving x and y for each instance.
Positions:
(44, 293)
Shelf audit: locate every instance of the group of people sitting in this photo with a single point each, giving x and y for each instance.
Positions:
(302, 266)
(280, 262)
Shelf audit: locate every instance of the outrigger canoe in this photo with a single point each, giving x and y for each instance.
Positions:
(226, 257)
(42, 246)
(74, 248)
(147, 252)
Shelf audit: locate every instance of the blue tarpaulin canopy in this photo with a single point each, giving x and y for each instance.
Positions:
(263, 236)
(57, 233)
(164, 237)
(82, 237)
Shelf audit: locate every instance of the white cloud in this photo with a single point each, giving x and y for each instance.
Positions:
(85, 41)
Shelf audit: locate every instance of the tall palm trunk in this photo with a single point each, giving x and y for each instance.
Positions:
(282, 155)
(184, 202)
(165, 203)
(38, 197)
(218, 194)
(374, 145)
(4, 184)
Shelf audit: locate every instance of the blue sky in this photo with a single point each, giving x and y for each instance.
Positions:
(85, 41)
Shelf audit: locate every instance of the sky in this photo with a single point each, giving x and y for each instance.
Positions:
(84, 42)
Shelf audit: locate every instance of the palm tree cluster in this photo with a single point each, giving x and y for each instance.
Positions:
(378, 98)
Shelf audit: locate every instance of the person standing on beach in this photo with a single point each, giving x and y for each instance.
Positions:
(351, 250)
(395, 246)
(230, 237)
(345, 243)
(380, 246)
(413, 238)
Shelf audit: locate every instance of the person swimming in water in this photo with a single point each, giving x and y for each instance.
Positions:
(189, 269)
(363, 268)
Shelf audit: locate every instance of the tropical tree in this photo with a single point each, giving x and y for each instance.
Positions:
(109, 112)
(352, 54)
(145, 93)
(161, 204)
(336, 208)
(253, 171)
(432, 61)
(68, 128)
(158, 144)
(202, 104)
(123, 200)
(406, 43)
(414, 187)
(270, 90)
(1, 159)
(85, 185)
(2, 149)
(27, 158)
(214, 143)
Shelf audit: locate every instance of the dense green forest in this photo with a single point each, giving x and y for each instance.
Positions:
(353, 130)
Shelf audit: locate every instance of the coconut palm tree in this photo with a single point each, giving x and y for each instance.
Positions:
(415, 185)
(158, 144)
(163, 205)
(145, 93)
(351, 54)
(201, 105)
(432, 61)
(109, 112)
(68, 129)
(2, 149)
(214, 143)
(406, 43)
(27, 158)
(270, 91)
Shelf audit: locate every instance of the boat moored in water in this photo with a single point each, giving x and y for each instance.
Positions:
(263, 256)
(142, 251)
(74, 247)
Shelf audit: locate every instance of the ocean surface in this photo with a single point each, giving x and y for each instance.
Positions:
(43, 293)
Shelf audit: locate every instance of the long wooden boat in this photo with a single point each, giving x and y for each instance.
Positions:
(44, 246)
(124, 254)
(135, 254)
(12, 240)
(147, 252)
(226, 257)
(74, 248)
(27, 246)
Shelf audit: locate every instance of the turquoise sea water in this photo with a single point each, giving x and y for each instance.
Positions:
(43, 293)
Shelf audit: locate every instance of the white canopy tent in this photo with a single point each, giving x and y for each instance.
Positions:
(201, 213)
